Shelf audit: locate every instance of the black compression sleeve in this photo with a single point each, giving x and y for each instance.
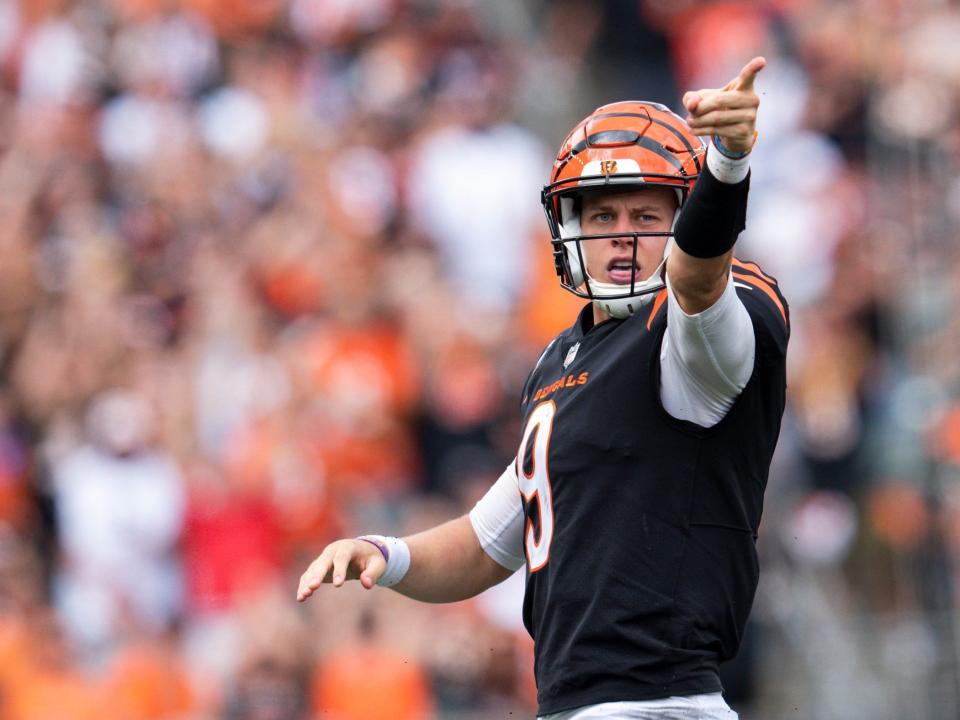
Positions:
(712, 217)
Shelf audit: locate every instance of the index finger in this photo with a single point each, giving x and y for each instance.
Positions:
(746, 77)
(314, 575)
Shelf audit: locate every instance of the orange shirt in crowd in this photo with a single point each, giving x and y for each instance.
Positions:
(236, 18)
(548, 309)
(366, 368)
(147, 683)
(16, 509)
(231, 18)
(36, 679)
(55, 695)
(365, 379)
(14, 651)
(367, 682)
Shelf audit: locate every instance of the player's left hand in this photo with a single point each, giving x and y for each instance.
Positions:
(729, 112)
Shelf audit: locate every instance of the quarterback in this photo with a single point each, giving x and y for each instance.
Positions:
(636, 493)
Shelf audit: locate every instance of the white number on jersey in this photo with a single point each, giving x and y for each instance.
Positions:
(537, 484)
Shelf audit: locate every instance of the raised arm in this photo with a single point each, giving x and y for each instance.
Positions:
(713, 216)
(708, 352)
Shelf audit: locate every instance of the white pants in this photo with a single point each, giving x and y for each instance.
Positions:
(710, 706)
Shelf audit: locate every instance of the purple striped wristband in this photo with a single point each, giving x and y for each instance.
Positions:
(381, 546)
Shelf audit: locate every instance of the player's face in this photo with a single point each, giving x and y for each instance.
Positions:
(647, 210)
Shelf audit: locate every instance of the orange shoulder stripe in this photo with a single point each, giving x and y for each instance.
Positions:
(657, 304)
(767, 290)
(753, 267)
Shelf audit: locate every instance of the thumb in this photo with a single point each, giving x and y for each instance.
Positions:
(373, 570)
(691, 100)
(748, 74)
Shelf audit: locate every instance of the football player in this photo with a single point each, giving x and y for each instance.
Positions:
(635, 496)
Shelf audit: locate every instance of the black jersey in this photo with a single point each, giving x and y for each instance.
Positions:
(640, 529)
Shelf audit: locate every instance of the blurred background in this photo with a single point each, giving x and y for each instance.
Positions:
(274, 271)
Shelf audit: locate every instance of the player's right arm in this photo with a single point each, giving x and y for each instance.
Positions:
(708, 351)
(713, 216)
(453, 561)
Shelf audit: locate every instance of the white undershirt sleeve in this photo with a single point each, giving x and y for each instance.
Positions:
(706, 358)
(497, 519)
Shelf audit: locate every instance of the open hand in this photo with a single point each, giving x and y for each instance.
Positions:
(729, 112)
(341, 561)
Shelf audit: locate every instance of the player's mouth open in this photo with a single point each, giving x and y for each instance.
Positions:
(621, 271)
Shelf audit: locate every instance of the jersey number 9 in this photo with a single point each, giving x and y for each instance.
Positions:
(535, 487)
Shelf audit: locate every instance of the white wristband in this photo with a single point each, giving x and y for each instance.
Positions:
(726, 169)
(397, 554)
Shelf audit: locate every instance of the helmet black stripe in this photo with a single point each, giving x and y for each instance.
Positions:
(669, 127)
(683, 139)
(657, 148)
(643, 142)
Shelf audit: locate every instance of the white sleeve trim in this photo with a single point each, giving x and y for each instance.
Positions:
(706, 359)
(497, 519)
(725, 169)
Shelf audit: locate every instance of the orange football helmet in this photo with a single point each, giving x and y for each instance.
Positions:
(620, 146)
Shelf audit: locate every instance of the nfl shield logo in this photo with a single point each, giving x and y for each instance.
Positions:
(571, 354)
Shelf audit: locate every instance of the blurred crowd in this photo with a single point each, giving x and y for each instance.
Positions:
(273, 272)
